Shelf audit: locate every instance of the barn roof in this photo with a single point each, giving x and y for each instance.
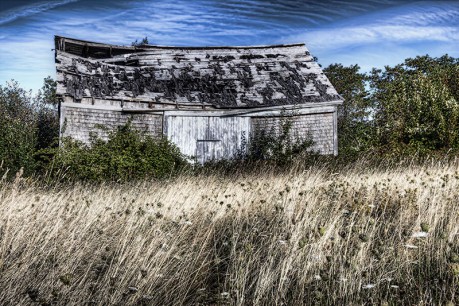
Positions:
(222, 77)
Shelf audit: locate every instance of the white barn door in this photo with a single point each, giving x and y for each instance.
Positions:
(208, 138)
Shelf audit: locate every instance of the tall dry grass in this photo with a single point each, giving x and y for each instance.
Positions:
(307, 237)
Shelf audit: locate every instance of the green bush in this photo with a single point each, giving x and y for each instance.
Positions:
(18, 131)
(126, 155)
(27, 124)
(275, 149)
(278, 144)
(417, 106)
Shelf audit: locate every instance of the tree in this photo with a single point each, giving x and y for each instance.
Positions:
(355, 126)
(417, 106)
(144, 41)
(46, 104)
(18, 135)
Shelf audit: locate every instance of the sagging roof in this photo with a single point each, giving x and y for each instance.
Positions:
(223, 77)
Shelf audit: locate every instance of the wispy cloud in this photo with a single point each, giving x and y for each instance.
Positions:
(387, 37)
(371, 32)
(25, 11)
(418, 22)
(376, 34)
(423, 14)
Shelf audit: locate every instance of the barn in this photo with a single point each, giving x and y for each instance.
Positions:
(206, 100)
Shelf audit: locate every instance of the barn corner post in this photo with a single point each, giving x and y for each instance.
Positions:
(59, 45)
(206, 100)
(335, 131)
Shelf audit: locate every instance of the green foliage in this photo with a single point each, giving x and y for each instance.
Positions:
(47, 94)
(27, 124)
(417, 106)
(127, 154)
(412, 108)
(278, 144)
(18, 135)
(355, 127)
(46, 103)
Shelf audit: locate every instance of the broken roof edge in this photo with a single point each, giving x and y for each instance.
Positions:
(57, 38)
(213, 111)
(213, 107)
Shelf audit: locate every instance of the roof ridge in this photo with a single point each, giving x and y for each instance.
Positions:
(149, 46)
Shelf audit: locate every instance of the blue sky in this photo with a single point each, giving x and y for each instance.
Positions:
(368, 33)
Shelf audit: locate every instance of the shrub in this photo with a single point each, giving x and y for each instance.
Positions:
(27, 124)
(127, 154)
(277, 149)
(18, 137)
(279, 144)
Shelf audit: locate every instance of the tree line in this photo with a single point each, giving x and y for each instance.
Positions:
(411, 108)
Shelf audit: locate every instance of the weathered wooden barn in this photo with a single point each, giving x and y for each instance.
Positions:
(207, 100)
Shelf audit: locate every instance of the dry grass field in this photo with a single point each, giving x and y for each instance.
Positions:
(359, 236)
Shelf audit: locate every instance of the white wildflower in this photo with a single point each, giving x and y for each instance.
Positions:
(420, 235)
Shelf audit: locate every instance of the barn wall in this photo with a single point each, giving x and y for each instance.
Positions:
(205, 135)
(320, 127)
(78, 122)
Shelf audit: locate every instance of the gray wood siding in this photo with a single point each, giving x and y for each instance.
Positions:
(320, 127)
(208, 138)
(204, 137)
(78, 122)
